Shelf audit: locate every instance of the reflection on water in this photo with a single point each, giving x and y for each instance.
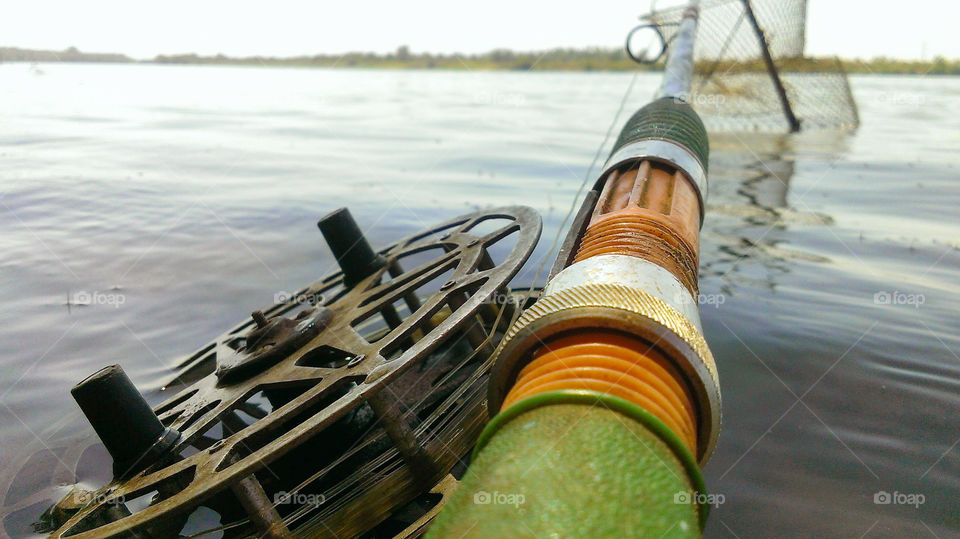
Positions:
(197, 203)
(800, 262)
(749, 209)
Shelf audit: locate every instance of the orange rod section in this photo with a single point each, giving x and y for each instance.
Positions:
(615, 364)
(651, 212)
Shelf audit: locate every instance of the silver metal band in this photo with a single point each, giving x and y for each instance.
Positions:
(632, 272)
(668, 152)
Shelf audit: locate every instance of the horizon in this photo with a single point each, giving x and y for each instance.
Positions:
(416, 53)
(292, 28)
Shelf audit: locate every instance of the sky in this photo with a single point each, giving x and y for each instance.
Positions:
(848, 28)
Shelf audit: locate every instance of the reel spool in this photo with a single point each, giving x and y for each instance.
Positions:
(340, 411)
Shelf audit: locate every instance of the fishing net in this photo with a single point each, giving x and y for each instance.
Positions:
(733, 88)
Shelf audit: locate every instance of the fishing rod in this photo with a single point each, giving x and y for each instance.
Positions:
(604, 395)
(349, 407)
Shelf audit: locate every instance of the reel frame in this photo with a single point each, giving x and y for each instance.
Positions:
(357, 359)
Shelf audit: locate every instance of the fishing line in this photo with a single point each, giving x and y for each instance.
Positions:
(221, 528)
(586, 179)
(351, 479)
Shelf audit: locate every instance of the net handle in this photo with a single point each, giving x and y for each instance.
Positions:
(772, 69)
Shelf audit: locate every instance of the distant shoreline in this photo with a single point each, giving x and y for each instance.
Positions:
(593, 59)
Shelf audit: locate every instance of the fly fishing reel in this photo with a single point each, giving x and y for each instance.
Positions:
(338, 411)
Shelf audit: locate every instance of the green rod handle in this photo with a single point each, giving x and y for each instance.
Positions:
(573, 469)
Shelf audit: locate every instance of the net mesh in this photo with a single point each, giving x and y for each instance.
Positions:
(734, 91)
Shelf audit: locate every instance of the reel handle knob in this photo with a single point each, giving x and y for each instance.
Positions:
(125, 423)
(356, 258)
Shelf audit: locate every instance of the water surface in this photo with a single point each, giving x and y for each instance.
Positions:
(181, 198)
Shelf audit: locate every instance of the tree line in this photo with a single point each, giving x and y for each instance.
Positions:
(565, 59)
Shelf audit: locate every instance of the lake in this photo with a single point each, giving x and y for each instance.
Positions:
(180, 198)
